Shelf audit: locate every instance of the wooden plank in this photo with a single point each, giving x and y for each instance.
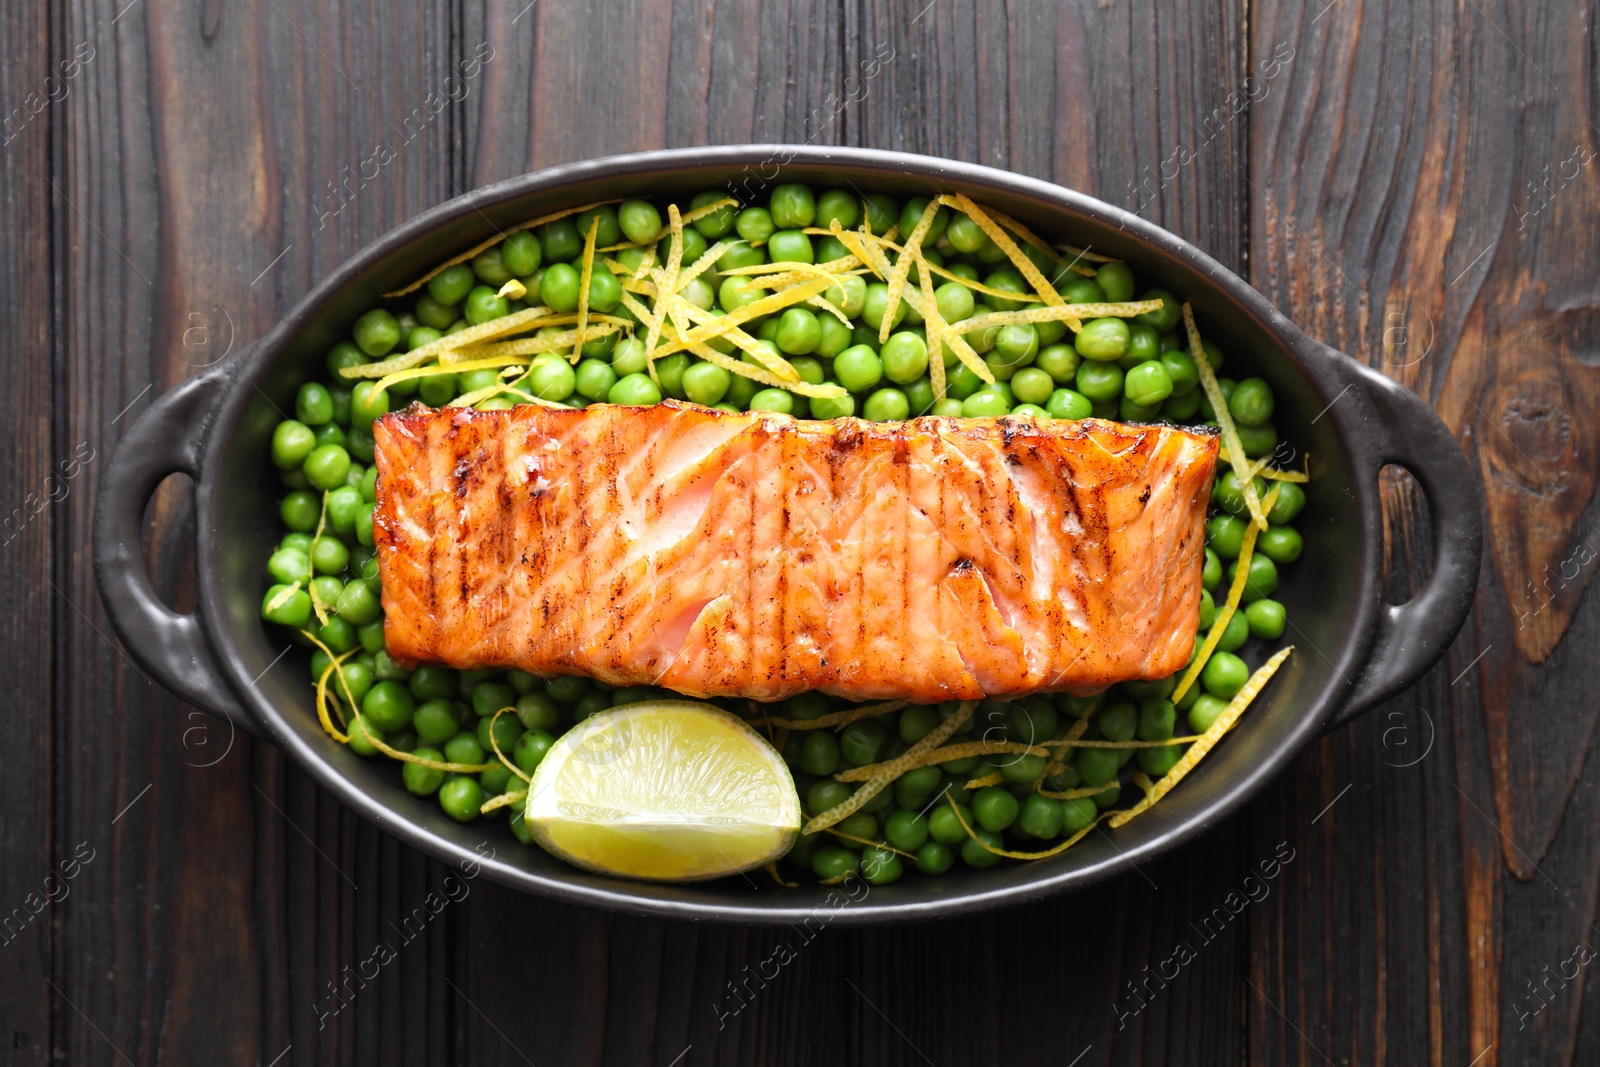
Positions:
(33, 890)
(207, 182)
(1448, 236)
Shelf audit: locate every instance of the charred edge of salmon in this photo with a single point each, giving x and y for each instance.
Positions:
(848, 431)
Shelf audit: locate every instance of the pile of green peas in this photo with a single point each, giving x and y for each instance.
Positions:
(1136, 370)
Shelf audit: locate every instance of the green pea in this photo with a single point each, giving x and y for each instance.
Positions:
(292, 442)
(608, 232)
(1040, 817)
(1258, 441)
(1115, 281)
(912, 213)
(1234, 634)
(1224, 675)
(286, 606)
(988, 402)
(1098, 381)
(434, 721)
(790, 246)
(1208, 610)
(1007, 280)
(1167, 317)
(879, 866)
(419, 780)
(1211, 575)
(945, 827)
(754, 224)
(1067, 404)
(1023, 768)
(332, 434)
(489, 697)
(1118, 722)
(357, 603)
(326, 466)
(876, 303)
(1148, 384)
(904, 357)
(559, 287)
(1205, 712)
(461, 798)
(535, 708)
(289, 566)
(838, 205)
(716, 223)
(1181, 369)
(1156, 762)
(1058, 361)
(1225, 535)
(1251, 403)
(1097, 766)
(451, 285)
(1102, 339)
(819, 752)
(934, 858)
(594, 379)
(973, 852)
(504, 731)
(906, 830)
(831, 862)
(376, 333)
(1181, 408)
(705, 383)
(490, 268)
(520, 254)
(628, 357)
(1291, 500)
(464, 748)
(552, 379)
(1077, 814)
(860, 742)
(361, 733)
(388, 706)
(1266, 619)
(954, 301)
(825, 795)
(530, 749)
(1261, 580)
(798, 331)
(367, 403)
(1281, 544)
(780, 401)
(886, 405)
(1228, 493)
(364, 525)
(995, 808)
(858, 368)
(793, 206)
(640, 221)
(635, 389)
(1157, 719)
(863, 824)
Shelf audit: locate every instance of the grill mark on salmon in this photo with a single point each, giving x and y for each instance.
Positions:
(758, 556)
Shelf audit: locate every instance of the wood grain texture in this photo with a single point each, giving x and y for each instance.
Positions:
(1394, 176)
(1411, 206)
(33, 892)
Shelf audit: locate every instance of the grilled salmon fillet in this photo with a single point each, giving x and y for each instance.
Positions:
(757, 555)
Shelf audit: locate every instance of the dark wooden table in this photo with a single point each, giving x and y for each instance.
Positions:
(1407, 179)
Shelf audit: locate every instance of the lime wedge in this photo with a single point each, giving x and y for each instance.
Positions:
(667, 790)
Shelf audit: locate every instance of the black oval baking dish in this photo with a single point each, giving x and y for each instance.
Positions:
(1355, 650)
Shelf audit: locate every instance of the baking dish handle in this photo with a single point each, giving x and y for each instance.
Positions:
(1394, 425)
(166, 439)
